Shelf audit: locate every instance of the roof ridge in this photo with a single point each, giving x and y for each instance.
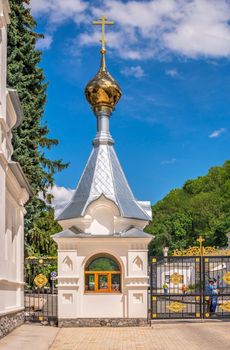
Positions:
(126, 181)
(115, 192)
(103, 175)
(59, 216)
(93, 175)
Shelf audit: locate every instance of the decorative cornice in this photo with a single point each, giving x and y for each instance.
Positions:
(11, 310)
(20, 176)
(136, 277)
(14, 107)
(7, 281)
(4, 124)
(137, 285)
(68, 285)
(3, 160)
(23, 197)
(15, 188)
(68, 277)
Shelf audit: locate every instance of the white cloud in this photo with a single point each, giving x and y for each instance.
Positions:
(61, 197)
(167, 162)
(147, 29)
(173, 73)
(202, 30)
(133, 71)
(217, 133)
(193, 28)
(58, 11)
(44, 44)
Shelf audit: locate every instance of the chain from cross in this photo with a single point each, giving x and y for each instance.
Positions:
(103, 22)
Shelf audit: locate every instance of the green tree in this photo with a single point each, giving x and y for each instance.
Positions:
(31, 140)
(39, 241)
(200, 207)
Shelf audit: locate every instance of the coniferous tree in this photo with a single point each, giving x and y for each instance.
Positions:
(31, 139)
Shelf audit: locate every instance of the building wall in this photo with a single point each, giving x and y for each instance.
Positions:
(4, 20)
(12, 200)
(74, 302)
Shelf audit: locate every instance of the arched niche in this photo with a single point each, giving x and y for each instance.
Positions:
(67, 264)
(102, 212)
(137, 264)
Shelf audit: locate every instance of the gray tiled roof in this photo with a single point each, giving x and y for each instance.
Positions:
(135, 232)
(132, 232)
(103, 175)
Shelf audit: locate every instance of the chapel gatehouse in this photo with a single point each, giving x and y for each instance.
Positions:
(103, 250)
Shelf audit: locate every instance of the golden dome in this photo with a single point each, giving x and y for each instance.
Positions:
(103, 92)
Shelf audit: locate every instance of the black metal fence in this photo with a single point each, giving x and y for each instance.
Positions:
(40, 294)
(216, 303)
(190, 287)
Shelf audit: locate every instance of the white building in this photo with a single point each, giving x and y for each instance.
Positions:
(103, 250)
(14, 193)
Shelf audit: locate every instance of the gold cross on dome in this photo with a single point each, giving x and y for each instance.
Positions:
(103, 22)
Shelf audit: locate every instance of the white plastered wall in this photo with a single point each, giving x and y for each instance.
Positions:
(12, 196)
(75, 303)
(12, 243)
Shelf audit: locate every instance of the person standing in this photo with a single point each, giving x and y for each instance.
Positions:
(165, 288)
(184, 289)
(215, 292)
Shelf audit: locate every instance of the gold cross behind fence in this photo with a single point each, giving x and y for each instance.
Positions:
(201, 240)
(103, 22)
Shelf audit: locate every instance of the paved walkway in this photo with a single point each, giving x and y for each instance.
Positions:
(29, 337)
(177, 336)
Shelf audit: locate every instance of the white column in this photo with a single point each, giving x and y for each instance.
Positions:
(3, 58)
(2, 234)
(4, 21)
(20, 256)
(2, 214)
(137, 283)
(68, 277)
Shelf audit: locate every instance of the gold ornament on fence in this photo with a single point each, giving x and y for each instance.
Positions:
(176, 278)
(201, 250)
(176, 307)
(226, 278)
(225, 306)
(40, 280)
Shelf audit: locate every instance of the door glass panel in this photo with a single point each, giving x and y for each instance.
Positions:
(103, 282)
(90, 282)
(116, 283)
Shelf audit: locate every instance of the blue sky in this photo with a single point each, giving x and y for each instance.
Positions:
(171, 60)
